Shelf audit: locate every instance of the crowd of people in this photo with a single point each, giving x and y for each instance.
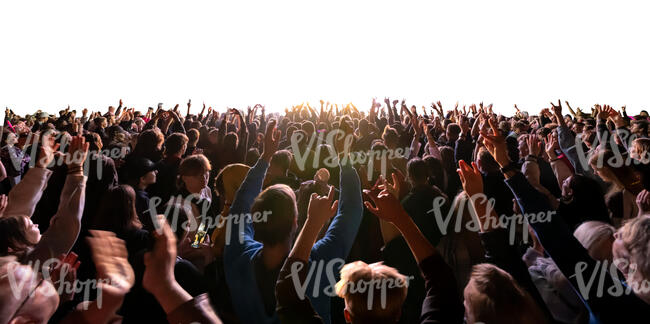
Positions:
(330, 214)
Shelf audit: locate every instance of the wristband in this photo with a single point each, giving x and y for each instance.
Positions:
(510, 167)
(531, 158)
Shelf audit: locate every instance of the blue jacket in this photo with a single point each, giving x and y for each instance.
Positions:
(241, 248)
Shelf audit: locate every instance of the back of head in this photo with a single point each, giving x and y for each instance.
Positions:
(116, 212)
(436, 171)
(193, 136)
(493, 296)
(418, 171)
(486, 162)
(373, 293)
(281, 160)
(635, 236)
(176, 144)
(390, 137)
(363, 127)
(229, 179)
(230, 141)
(308, 127)
(279, 203)
(597, 237)
(148, 143)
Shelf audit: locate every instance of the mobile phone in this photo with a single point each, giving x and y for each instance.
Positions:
(160, 105)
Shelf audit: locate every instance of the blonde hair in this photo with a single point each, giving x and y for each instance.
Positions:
(373, 293)
(635, 235)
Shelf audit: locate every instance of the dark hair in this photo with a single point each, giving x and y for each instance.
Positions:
(281, 159)
(417, 170)
(252, 156)
(454, 129)
(13, 235)
(280, 200)
(436, 172)
(194, 165)
(193, 136)
(94, 140)
(230, 141)
(390, 136)
(308, 127)
(116, 212)
(174, 143)
(147, 145)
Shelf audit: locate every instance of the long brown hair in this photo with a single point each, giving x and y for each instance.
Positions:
(13, 236)
(116, 212)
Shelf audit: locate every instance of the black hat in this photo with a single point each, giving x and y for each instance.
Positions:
(139, 167)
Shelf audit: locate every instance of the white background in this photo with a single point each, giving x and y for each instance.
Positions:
(279, 53)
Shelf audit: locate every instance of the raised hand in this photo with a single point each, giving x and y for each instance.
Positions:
(551, 146)
(322, 208)
(470, 178)
(111, 261)
(496, 144)
(643, 202)
(78, 151)
(386, 206)
(46, 154)
(557, 109)
(534, 145)
(271, 141)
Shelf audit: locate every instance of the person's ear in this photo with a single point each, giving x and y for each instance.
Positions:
(347, 316)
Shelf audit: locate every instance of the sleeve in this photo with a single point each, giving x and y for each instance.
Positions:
(561, 171)
(197, 310)
(66, 223)
(291, 308)
(240, 249)
(442, 302)
(343, 229)
(573, 259)
(25, 195)
(532, 173)
(340, 235)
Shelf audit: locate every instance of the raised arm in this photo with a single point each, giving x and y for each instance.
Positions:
(25, 195)
(343, 229)
(66, 223)
(441, 303)
(291, 307)
(237, 240)
(558, 240)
